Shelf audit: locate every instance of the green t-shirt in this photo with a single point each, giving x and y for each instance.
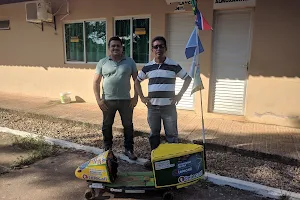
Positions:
(116, 77)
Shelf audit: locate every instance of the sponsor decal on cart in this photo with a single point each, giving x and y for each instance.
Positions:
(190, 177)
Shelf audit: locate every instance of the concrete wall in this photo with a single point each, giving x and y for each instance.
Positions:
(273, 93)
(32, 60)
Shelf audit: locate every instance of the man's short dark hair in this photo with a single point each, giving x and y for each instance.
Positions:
(159, 38)
(115, 38)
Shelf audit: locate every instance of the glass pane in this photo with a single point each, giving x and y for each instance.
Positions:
(74, 42)
(4, 24)
(123, 31)
(95, 40)
(141, 40)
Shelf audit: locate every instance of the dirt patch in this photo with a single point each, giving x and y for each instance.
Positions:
(269, 173)
(233, 165)
(9, 153)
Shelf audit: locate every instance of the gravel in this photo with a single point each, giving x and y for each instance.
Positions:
(229, 164)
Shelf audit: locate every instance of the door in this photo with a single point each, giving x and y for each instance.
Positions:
(231, 52)
(179, 29)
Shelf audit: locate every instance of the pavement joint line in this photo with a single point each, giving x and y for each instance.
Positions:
(216, 179)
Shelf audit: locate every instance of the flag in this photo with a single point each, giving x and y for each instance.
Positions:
(193, 49)
(201, 24)
(194, 45)
(200, 21)
(198, 84)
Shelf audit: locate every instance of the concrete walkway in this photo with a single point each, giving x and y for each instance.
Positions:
(269, 139)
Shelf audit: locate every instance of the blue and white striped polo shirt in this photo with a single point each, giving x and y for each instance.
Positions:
(162, 78)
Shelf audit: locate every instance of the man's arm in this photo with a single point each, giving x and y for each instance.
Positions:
(185, 86)
(96, 88)
(134, 77)
(138, 89)
(134, 100)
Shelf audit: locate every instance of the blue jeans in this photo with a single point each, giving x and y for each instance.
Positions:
(168, 115)
(125, 111)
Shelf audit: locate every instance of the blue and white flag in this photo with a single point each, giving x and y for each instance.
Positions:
(193, 49)
(193, 44)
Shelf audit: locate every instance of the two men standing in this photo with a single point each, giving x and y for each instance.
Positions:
(117, 70)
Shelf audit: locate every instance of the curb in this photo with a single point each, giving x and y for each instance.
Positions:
(66, 144)
(216, 179)
(251, 187)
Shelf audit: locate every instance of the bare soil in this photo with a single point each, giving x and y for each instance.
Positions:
(269, 173)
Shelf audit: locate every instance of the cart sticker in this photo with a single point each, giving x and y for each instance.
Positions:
(135, 191)
(163, 165)
(185, 164)
(84, 176)
(84, 165)
(115, 190)
(96, 172)
(96, 185)
(190, 177)
(99, 160)
(94, 178)
(182, 172)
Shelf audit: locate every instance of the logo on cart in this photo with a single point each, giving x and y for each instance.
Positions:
(84, 176)
(84, 165)
(190, 177)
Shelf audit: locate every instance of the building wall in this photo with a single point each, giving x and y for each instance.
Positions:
(273, 93)
(32, 60)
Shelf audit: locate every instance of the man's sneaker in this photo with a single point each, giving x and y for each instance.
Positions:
(130, 154)
(148, 165)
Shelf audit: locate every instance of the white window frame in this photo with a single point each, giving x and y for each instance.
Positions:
(6, 28)
(84, 43)
(131, 31)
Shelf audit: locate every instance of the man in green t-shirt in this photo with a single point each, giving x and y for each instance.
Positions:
(116, 71)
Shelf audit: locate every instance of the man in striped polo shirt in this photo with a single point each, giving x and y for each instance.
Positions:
(161, 100)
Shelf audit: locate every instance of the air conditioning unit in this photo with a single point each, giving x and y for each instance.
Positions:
(39, 11)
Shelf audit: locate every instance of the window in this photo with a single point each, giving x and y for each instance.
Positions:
(135, 35)
(85, 41)
(4, 24)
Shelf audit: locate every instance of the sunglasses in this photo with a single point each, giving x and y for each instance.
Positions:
(161, 46)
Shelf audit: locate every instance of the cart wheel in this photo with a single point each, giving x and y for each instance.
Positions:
(169, 195)
(100, 192)
(89, 194)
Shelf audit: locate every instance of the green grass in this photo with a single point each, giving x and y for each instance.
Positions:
(38, 149)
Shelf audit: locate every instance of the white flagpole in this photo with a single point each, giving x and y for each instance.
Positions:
(202, 118)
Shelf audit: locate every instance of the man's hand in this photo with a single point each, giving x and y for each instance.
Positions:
(102, 105)
(146, 101)
(175, 100)
(133, 102)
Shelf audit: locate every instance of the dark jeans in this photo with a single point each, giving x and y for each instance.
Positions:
(125, 111)
(168, 115)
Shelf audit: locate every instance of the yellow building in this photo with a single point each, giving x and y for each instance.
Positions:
(250, 67)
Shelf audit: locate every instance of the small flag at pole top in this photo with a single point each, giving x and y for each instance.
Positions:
(200, 21)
